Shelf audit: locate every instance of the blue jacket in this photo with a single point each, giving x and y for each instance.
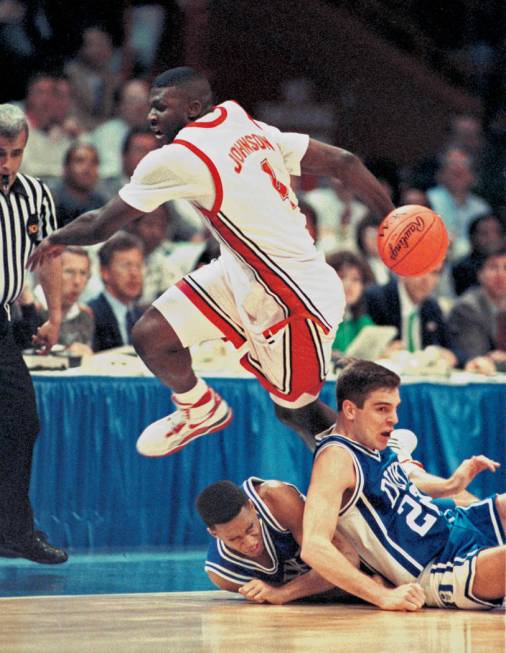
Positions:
(107, 333)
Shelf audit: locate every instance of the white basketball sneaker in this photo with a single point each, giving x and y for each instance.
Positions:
(190, 421)
(403, 442)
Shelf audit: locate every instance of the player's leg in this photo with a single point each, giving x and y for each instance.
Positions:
(193, 311)
(307, 421)
(490, 577)
(489, 582)
(162, 352)
(305, 363)
(500, 506)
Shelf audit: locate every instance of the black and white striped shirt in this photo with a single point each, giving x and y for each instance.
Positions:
(27, 215)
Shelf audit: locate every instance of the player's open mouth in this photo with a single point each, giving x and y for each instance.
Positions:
(156, 131)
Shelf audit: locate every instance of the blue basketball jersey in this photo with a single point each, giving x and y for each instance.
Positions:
(283, 550)
(395, 529)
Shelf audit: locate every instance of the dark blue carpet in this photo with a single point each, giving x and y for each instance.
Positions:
(112, 571)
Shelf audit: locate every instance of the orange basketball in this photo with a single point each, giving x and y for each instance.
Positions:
(412, 240)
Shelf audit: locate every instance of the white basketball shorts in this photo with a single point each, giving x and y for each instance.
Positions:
(291, 361)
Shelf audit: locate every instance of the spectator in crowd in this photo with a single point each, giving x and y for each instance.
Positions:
(93, 78)
(76, 192)
(407, 304)
(115, 310)
(367, 245)
(453, 200)
(48, 142)
(109, 137)
(77, 325)
(136, 144)
(355, 274)
(338, 213)
(478, 318)
(465, 132)
(413, 195)
(64, 114)
(486, 235)
(160, 270)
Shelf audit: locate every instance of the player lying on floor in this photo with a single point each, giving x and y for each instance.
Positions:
(257, 534)
(455, 559)
(257, 531)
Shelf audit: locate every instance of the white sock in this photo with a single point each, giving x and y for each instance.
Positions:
(193, 395)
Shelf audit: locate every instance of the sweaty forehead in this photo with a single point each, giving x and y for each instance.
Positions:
(168, 93)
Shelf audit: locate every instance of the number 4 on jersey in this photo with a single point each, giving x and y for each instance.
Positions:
(278, 186)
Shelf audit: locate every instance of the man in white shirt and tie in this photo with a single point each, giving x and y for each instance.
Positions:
(115, 309)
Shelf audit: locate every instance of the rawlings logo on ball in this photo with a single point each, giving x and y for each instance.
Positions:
(403, 241)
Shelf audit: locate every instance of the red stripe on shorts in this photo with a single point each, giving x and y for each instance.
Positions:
(208, 311)
(305, 372)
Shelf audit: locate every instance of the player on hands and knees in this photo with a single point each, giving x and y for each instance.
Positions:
(270, 292)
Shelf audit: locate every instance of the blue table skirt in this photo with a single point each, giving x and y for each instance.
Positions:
(91, 488)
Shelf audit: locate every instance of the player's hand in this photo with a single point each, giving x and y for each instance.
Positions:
(259, 591)
(45, 251)
(46, 337)
(408, 597)
(468, 469)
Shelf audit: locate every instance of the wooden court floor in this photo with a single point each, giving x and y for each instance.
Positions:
(219, 622)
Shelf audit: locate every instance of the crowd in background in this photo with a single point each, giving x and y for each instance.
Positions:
(89, 130)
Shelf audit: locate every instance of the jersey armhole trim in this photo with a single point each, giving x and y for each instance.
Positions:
(218, 186)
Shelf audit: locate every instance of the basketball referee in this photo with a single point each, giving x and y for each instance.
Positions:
(26, 216)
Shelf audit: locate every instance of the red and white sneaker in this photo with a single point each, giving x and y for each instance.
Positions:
(190, 421)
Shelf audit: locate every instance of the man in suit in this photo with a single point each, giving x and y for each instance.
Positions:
(115, 310)
(406, 303)
(478, 318)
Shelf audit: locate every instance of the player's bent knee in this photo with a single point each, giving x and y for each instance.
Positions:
(152, 333)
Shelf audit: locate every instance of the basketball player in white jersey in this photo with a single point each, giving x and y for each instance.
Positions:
(270, 292)
(450, 559)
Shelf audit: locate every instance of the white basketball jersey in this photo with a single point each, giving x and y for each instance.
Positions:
(273, 266)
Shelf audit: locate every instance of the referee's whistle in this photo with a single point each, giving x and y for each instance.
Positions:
(5, 183)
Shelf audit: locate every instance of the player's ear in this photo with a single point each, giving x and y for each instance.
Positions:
(195, 109)
(349, 409)
(212, 532)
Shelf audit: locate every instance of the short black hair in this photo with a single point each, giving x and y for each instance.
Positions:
(358, 379)
(177, 77)
(475, 223)
(480, 264)
(78, 145)
(220, 502)
(121, 241)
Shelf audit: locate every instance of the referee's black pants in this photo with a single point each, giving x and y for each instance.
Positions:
(19, 425)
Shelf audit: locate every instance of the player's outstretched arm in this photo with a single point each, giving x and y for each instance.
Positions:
(223, 583)
(89, 228)
(326, 160)
(307, 584)
(456, 484)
